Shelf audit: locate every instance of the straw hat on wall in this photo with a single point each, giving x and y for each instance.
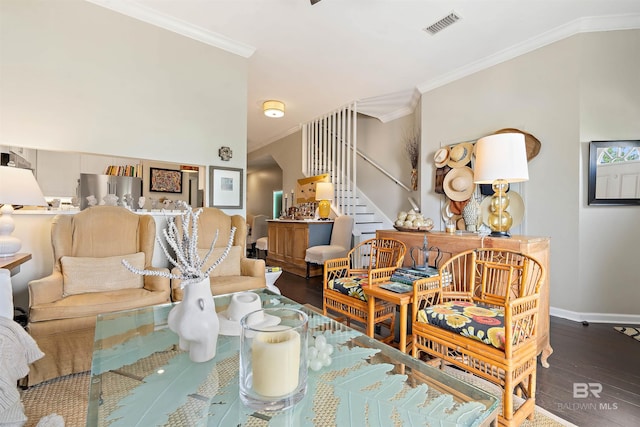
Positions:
(458, 184)
(460, 154)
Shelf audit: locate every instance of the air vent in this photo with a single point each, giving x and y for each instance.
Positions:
(440, 25)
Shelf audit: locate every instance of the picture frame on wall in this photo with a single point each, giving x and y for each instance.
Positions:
(225, 187)
(165, 180)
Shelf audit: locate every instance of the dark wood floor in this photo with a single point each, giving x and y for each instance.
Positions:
(595, 355)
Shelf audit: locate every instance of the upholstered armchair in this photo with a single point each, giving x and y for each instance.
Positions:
(237, 272)
(483, 318)
(370, 262)
(88, 278)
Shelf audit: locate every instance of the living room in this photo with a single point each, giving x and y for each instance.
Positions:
(86, 79)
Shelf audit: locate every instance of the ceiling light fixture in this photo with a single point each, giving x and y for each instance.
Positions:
(273, 109)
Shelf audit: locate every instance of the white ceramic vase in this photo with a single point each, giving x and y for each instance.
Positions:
(195, 321)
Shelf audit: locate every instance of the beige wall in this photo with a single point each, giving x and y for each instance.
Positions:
(287, 153)
(260, 187)
(609, 241)
(384, 144)
(565, 94)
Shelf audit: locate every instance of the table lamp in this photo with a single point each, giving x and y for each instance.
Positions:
(17, 187)
(500, 159)
(324, 194)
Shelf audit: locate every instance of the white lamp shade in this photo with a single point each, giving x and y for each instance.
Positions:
(273, 108)
(324, 191)
(501, 156)
(19, 187)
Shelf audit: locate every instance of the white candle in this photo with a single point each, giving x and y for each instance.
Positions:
(275, 362)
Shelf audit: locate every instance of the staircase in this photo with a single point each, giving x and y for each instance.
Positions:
(330, 146)
(367, 219)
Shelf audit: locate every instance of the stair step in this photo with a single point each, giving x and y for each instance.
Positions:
(368, 226)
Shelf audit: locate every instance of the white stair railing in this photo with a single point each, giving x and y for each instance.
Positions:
(329, 145)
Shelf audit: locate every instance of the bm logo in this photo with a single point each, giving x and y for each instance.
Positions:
(584, 390)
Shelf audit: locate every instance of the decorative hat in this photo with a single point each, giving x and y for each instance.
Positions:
(241, 304)
(460, 154)
(441, 157)
(458, 183)
(531, 143)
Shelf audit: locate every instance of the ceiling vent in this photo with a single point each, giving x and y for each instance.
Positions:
(440, 25)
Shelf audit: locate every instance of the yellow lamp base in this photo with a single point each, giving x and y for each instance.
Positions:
(324, 209)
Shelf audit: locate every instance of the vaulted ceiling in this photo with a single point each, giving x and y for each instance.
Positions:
(318, 57)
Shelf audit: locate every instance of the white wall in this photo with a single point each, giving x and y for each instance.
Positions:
(558, 93)
(81, 78)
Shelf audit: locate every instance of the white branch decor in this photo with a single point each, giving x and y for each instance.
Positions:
(186, 257)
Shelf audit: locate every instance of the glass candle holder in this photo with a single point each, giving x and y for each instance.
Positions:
(273, 358)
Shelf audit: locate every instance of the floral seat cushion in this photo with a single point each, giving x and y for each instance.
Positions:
(351, 286)
(473, 320)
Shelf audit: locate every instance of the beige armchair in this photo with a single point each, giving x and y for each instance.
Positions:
(237, 272)
(88, 279)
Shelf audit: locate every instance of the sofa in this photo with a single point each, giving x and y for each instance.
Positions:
(88, 278)
(237, 272)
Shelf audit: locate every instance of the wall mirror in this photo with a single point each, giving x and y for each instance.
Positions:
(614, 173)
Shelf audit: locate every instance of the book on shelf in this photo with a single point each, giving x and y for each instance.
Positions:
(409, 276)
(126, 170)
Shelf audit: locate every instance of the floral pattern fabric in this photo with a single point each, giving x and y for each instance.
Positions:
(351, 286)
(473, 320)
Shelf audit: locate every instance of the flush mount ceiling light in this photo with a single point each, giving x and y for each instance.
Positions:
(273, 109)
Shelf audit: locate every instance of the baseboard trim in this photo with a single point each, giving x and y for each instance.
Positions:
(619, 319)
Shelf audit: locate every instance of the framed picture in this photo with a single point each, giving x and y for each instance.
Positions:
(165, 180)
(225, 187)
(614, 173)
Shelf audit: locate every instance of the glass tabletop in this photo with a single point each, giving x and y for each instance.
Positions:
(139, 376)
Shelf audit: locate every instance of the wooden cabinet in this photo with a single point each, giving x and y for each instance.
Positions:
(449, 244)
(289, 240)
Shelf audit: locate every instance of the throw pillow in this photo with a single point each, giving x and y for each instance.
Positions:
(83, 274)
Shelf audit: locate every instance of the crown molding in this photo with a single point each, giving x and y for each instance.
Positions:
(582, 25)
(150, 16)
(256, 146)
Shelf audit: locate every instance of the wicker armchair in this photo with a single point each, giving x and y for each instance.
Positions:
(372, 261)
(484, 322)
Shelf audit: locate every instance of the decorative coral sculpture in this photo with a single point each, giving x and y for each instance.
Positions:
(186, 259)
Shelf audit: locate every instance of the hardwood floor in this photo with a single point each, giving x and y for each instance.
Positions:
(585, 358)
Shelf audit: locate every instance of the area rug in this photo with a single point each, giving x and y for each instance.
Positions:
(631, 332)
(67, 397)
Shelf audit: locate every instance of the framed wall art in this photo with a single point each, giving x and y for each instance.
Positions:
(614, 173)
(165, 180)
(225, 187)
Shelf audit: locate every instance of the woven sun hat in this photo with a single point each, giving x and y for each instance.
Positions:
(243, 303)
(458, 184)
(460, 154)
(441, 157)
(531, 143)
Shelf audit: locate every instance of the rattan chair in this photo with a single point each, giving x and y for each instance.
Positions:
(484, 321)
(369, 262)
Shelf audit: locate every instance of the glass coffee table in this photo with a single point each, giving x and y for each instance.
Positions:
(139, 376)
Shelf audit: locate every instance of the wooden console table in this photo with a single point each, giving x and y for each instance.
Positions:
(450, 244)
(289, 240)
